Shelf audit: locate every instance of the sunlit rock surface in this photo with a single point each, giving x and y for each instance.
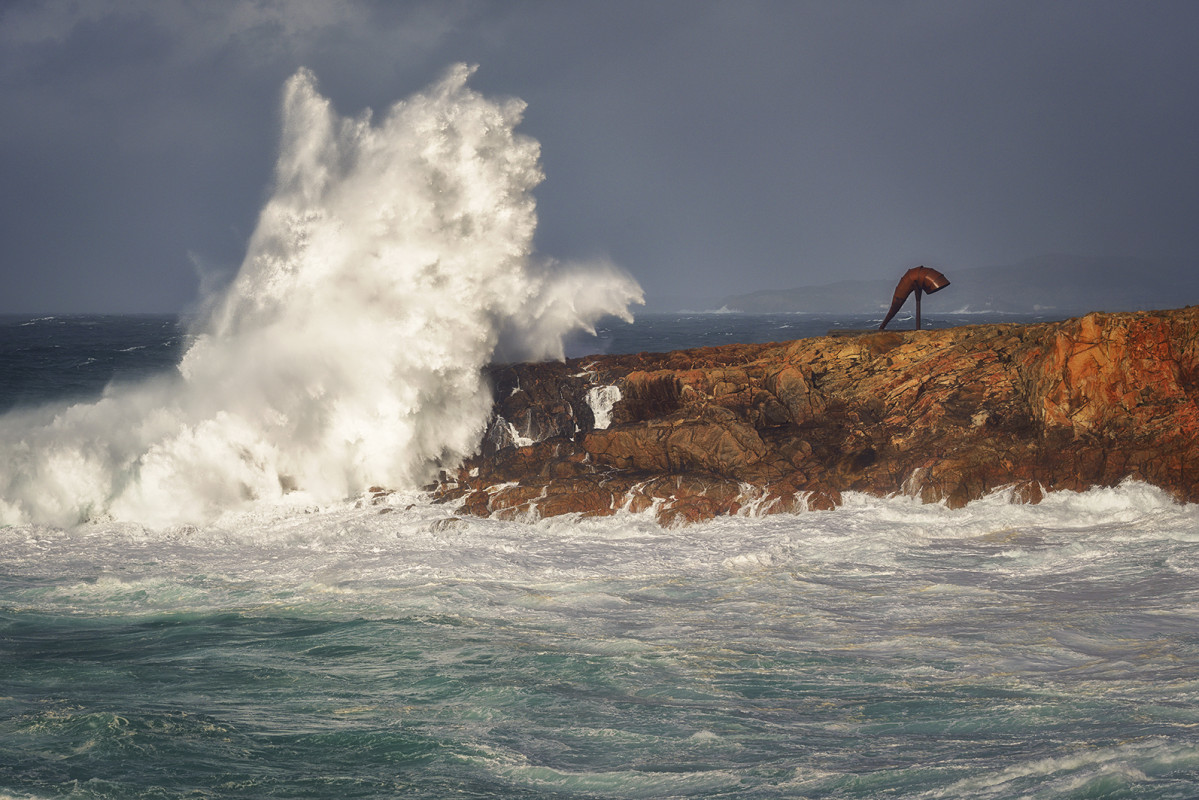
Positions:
(946, 415)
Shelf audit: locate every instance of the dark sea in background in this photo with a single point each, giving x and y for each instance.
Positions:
(886, 649)
(51, 357)
(75, 356)
(663, 332)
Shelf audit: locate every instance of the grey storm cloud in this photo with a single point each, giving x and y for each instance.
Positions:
(706, 147)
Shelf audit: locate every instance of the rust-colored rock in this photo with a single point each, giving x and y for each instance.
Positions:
(948, 415)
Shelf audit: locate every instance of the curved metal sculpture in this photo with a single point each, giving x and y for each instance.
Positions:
(917, 279)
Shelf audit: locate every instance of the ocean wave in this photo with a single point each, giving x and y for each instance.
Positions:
(393, 261)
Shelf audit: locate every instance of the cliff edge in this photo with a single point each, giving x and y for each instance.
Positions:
(942, 415)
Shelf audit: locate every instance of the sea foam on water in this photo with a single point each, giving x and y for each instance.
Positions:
(393, 261)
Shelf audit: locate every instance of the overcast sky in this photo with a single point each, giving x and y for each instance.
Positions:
(708, 148)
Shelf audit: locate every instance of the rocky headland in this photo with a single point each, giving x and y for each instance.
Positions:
(945, 415)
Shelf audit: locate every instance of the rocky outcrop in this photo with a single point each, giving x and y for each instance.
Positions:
(947, 415)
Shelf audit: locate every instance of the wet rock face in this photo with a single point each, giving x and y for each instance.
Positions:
(942, 415)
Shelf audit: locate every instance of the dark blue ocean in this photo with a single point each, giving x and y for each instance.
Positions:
(382, 647)
(50, 357)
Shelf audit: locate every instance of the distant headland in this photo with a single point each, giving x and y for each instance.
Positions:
(1058, 285)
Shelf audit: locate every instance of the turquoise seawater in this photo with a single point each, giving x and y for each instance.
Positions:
(382, 649)
(885, 649)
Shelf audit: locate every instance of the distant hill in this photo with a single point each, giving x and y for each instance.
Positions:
(1058, 284)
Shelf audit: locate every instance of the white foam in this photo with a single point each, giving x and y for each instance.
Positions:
(517, 439)
(393, 261)
(602, 400)
(902, 559)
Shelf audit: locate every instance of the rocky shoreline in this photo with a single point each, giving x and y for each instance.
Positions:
(947, 415)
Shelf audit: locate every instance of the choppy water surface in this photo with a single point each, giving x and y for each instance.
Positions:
(77, 356)
(885, 649)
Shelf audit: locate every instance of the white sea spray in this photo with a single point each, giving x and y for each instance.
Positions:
(393, 261)
(602, 400)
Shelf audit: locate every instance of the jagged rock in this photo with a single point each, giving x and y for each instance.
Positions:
(946, 415)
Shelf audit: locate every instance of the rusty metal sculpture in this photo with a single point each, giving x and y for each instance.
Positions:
(918, 279)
